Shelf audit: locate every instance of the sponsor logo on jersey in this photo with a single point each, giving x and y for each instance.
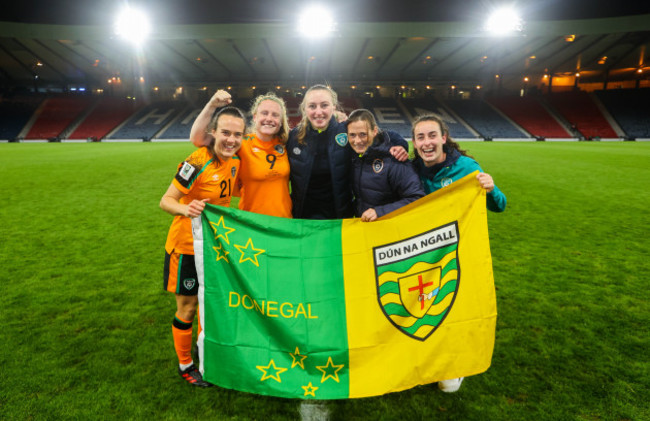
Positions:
(186, 171)
(189, 283)
(279, 149)
(377, 165)
(256, 149)
(215, 177)
(341, 139)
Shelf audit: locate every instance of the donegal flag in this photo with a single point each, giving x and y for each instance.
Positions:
(342, 308)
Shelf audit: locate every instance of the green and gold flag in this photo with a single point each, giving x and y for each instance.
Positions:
(342, 308)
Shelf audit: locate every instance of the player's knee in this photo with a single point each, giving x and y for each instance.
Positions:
(186, 308)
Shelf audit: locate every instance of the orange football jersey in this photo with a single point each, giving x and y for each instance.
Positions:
(200, 176)
(264, 177)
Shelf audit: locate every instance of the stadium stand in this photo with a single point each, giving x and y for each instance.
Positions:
(148, 121)
(630, 108)
(55, 115)
(104, 117)
(604, 114)
(350, 104)
(293, 110)
(179, 128)
(530, 114)
(581, 112)
(389, 114)
(420, 106)
(485, 119)
(15, 113)
(181, 125)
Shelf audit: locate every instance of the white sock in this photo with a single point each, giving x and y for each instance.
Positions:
(184, 366)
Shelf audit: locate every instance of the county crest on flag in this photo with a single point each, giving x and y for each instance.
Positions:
(417, 279)
(342, 308)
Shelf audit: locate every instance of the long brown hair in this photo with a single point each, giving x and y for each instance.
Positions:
(449, 144)
(304, 122)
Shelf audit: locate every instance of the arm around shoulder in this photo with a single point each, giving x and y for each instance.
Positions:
(397, 139)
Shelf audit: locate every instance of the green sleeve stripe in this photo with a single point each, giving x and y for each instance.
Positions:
(189, 186)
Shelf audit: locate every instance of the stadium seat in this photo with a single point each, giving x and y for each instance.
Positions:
(578, 108)
(530, 114)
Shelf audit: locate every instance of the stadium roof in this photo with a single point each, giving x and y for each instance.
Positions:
(64, 43)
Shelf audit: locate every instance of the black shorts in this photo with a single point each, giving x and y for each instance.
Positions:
(180, 274)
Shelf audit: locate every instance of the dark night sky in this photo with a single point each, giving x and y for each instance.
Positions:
(94, 12)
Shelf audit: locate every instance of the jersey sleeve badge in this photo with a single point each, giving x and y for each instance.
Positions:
(186, 171)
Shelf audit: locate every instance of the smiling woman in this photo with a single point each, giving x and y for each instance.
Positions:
(440, 161)
(264, 177)
(381, 183)
(207, 176)
(321, 158)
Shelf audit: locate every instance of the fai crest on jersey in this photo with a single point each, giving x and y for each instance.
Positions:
(233, 171)
(279, 149)
(445, 182)
(377, 165)
(417, 280)
(341, 139)
(189, 283)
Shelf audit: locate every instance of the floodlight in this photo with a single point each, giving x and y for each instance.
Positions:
(132, 25)
(504, 22)
(316, 22)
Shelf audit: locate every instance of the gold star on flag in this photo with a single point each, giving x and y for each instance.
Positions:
(277, 371)
(218, 232)
(310, 389)
(298, 359)
(221, 253)
(248, 251)
(330, 370)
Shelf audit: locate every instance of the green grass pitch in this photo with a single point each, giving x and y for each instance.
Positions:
(86, 326)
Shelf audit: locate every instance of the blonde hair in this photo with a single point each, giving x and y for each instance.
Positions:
(304, 122)
(283, 133)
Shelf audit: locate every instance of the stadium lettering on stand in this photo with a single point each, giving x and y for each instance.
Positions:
(271, 308)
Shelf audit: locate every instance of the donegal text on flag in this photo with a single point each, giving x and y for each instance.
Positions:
(323, 309)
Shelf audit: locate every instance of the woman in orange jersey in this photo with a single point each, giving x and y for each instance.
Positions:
(264, 174)
(208, 175)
